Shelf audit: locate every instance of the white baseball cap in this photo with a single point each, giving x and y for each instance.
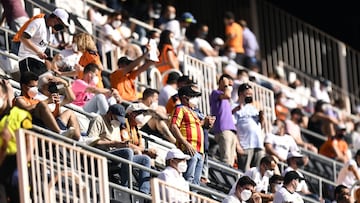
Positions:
(63, 15)
(294, 153)
(176, 153)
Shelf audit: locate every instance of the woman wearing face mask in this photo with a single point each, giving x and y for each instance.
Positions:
(172, 174)
(244, 192)
(167, 59)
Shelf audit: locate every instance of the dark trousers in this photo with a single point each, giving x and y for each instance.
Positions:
(32, 65)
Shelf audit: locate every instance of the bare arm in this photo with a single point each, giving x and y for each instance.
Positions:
(19, 102)
(270, 150)
(173, 60)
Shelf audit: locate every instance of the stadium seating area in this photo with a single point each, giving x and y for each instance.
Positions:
(320, 172)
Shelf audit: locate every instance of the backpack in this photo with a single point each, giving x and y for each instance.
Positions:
(19, 33)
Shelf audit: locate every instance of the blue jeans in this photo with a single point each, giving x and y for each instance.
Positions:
(194, 169)
(144, 176)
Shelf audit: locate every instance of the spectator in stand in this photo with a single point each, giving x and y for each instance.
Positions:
(261, 175)
(173, 174)
(350, 172)
(279, 144)
(89, 96)
(320, 90)
(187, 129)
(242, 76)
(12, 119)
(168, 14)
(244, 191)
(112, 37)
(40, 111)
(15, 16)
(96, 15)
(342, 194)
(167, 59)
(275, 184)
(106, 130)
(250, 44)
(295, 161)
(292, 127)
(336, 147)
(170, 89)
(224, 128)
(150, 117)
(57, 98)
(85, 44)
(35, 39)
(321, 123)
(123, 79)
(281, 111)
(288, 192)
(234, 37)
(249, 122)
(175, 100)
(202, 48)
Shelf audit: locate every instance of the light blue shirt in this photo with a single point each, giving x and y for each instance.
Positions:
(248, 127)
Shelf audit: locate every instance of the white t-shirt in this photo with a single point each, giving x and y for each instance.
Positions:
(231, 199)
(283, 195)
(262, 182)
(114, 33)
(281, 144)
(173, 177)
(165, 93)
(347, 177)
(40, 37)
(69, 57)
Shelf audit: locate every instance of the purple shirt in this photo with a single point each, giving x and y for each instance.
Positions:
(221, 108)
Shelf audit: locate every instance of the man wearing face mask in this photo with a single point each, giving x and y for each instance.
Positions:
(243, 192)
(350, 172)
(187, 129)
(153, 118)
(172, 174)
(42, 115)
(260, 175)
(90, 97)
(224, 128)
(105, 131)
(295, 161)
(249, 121)
(288, 192)
(35, 36)
(112, 37)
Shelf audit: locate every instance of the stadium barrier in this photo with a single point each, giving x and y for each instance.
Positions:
(59, 172)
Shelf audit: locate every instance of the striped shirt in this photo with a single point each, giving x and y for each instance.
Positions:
(190, 127)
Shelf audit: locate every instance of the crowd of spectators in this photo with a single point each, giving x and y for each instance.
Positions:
(77, 76)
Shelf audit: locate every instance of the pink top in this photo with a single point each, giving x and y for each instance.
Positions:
(79, 86)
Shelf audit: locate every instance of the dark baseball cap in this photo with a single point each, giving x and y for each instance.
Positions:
(188, 17)
(189, 91)
(119, 111)
(292, 175)
(173, 77)
(244, 87)
(124, 60)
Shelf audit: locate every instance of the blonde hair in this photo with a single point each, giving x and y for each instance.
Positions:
(85, 42)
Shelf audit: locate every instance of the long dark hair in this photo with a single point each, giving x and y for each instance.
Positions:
(164, 39)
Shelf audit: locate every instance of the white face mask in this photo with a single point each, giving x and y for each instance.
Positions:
(154, 105)
(115, 123)
(268, 173)
(182, 166)
(230, 88)
(245, 195)
(278, 187)
(172, 16)
(232, 55)
(173, 42)
(116, 23)
(75, 47)
(32, 92)
(95, 80)
(194, 101)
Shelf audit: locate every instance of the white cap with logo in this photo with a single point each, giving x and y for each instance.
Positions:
(176, 153)
(63, 15)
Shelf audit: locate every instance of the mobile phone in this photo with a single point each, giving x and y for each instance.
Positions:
(53, 88)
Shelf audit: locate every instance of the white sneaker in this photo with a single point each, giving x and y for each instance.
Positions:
(69, 132)
(91, 141)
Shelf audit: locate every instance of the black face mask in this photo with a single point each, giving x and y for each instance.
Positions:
(248, 100)
(299, 162)
(300, 120)
(58, 27)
